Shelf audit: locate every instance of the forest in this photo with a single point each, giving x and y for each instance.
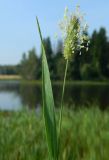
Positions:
(91, 65)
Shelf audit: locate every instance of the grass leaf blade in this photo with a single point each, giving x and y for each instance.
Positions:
(48, 104)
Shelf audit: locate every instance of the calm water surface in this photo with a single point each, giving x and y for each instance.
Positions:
(14, 96)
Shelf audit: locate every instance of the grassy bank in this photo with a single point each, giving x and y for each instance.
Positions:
(85, 135)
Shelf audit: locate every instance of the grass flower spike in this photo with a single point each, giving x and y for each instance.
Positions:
(75, 38)
(74, 33)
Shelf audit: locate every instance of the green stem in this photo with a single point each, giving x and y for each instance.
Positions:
(61, 110)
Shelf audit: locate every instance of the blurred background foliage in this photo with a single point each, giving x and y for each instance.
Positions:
(91, 65)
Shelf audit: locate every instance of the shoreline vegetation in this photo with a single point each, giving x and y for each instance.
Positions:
(85, 135)
(57, 82)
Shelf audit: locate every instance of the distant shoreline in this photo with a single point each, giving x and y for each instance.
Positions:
(10, 77)
(57, 82)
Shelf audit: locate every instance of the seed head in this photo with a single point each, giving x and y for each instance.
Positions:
(74, 33)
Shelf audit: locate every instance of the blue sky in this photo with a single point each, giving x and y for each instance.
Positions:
(18, 31)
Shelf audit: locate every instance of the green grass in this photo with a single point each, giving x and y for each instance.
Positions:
(84, 136)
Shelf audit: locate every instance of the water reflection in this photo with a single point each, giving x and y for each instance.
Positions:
(13, 95)
(88, 95)
(30, 95)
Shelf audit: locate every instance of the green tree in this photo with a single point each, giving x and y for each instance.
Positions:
(103, 52)
(50, 56)
(29, 65)
(100, 53)
(59, 61)
(32, 64)
(39, 69)
(74, 67)
(23, 66)
(90, 69)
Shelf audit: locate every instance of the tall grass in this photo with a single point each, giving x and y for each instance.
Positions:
(74, 40)
(85, 135)
(53, 136)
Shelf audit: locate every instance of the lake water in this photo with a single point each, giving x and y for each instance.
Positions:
(14, 96)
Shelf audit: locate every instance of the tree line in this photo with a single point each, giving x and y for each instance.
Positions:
(91, 65)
